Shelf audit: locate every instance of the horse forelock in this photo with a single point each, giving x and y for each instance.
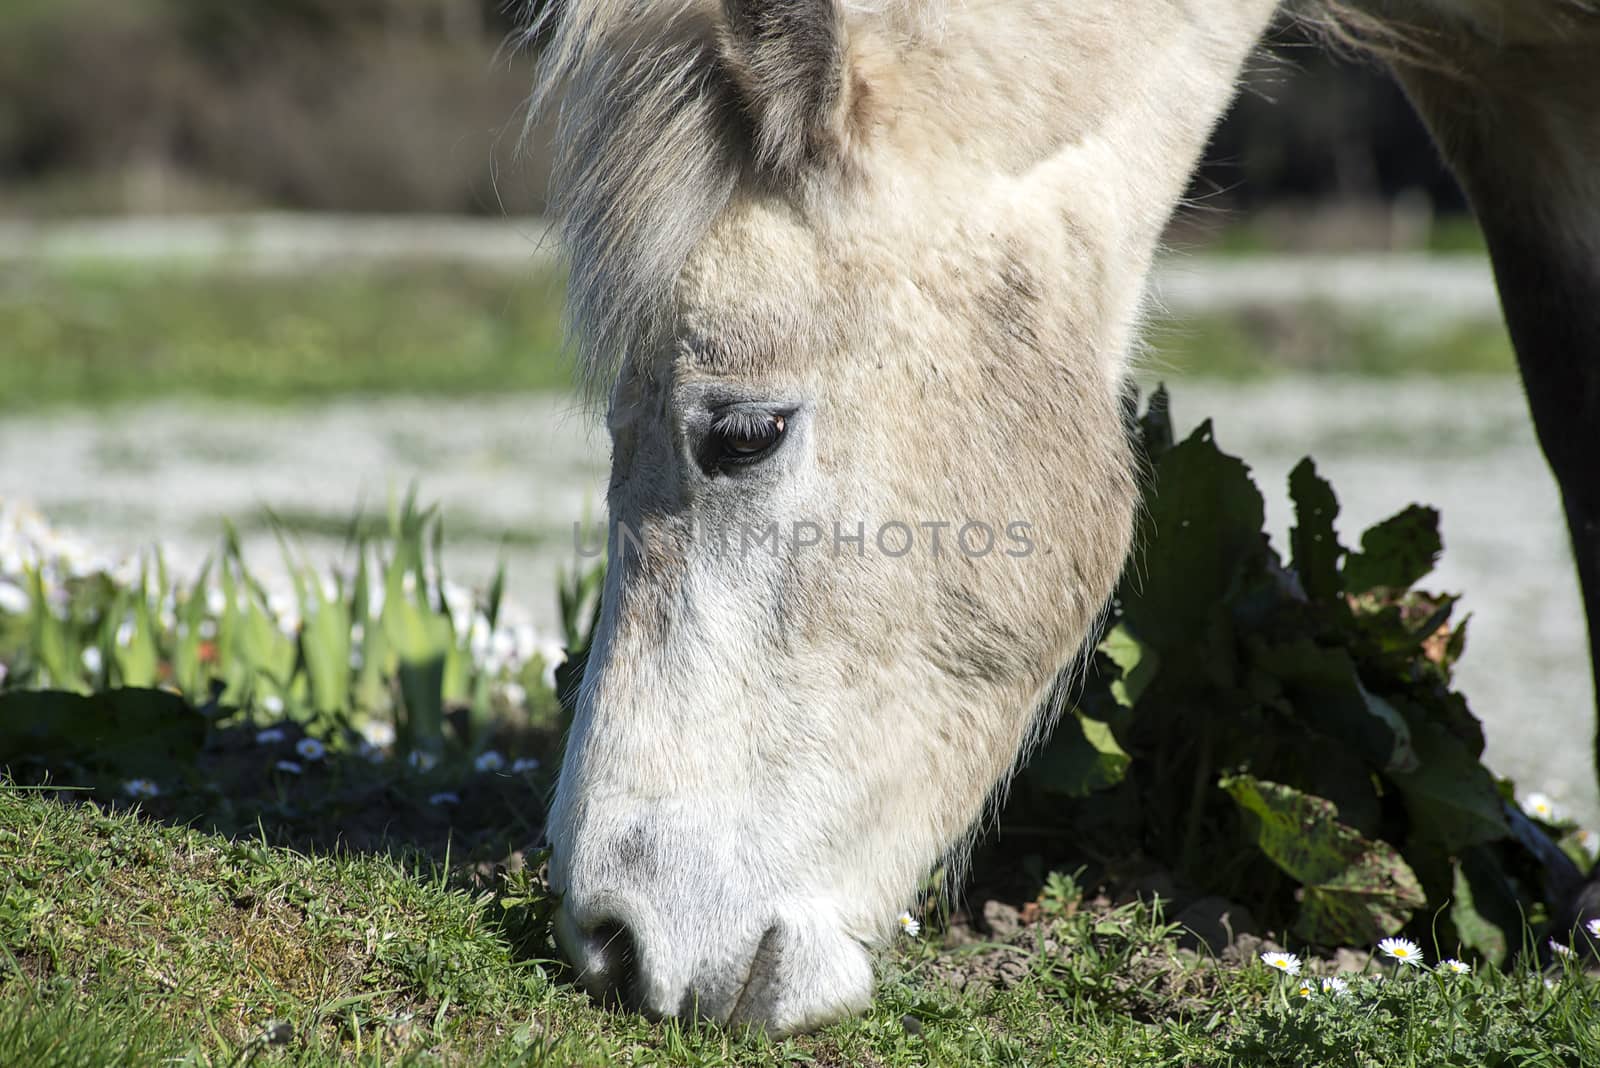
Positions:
(648, 149)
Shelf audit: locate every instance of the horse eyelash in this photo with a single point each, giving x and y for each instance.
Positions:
(742, 423)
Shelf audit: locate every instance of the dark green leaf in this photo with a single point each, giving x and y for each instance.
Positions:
(1450, 795)
(1081, 757)
(1323, 686)
(126, 731)
(1200, 530)
(1353, 890)
(1138, 662)
(1155, 426)
(1484, 907)
(1314, 547)
(1395, 553)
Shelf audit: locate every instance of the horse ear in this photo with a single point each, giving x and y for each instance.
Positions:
(788, 62)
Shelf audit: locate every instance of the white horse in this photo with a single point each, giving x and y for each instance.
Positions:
(858, 283)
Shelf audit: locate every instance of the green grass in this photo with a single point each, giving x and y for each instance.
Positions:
(1315, 340)
(93, 335)
(1299, 231)
(129, 942)
(99, 334)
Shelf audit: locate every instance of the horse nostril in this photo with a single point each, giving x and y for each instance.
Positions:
(615, 946)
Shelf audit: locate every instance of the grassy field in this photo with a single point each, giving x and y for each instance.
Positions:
(106, 334)
(101, 334)
(131, 942)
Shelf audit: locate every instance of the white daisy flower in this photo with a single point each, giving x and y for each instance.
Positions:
(141, 788)
(1559, 949)
(92, 660)
(1336, 986)
(288, 767)
(1303, 989)
(378, 732)
(1541, 807)
(523, 765)
(311, 749)
(909, 925)
(270, 736)
(125, 633)
(1455, 967)
(489, 760)
(445, 797)
(1402, 949)
(1593, 926)
(273, 703)
(1287, 963)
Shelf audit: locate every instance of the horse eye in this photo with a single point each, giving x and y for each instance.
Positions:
(742, 437)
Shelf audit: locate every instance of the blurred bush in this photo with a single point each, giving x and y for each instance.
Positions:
(352, 105)
(417, 105)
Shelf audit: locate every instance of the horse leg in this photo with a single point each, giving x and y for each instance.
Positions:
(1521, 128)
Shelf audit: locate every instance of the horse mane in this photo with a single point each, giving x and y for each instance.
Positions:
(1352, 28)
(641, 160)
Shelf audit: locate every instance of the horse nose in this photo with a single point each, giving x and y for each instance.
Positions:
(605, 953)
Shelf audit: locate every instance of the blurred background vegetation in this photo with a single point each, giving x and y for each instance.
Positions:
(415, 106)
(168, 108)
(326, 105)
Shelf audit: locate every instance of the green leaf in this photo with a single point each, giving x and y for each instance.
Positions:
(1200, 531)
(1083, 756)
(1451, 797)
(325, 647)
(1395, 553)
(1323, 686)
(1138, 661)
(126, 731)
(1314, 548)
(139, 662)
(422, 639)
(53, 645)
(1353, 890)
(1155, 426)
(1484, 907)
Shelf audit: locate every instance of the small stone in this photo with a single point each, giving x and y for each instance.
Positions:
(1152, 886)
(1214, 922)
(912, 1025)
(1010, 972)
(1350, 960)
(1000, 919)
(1249, 947)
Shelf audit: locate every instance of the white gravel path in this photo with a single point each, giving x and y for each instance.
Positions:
(1435, 287)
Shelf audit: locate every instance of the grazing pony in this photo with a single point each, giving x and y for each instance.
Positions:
(858, 282)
